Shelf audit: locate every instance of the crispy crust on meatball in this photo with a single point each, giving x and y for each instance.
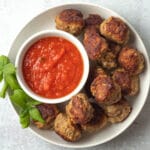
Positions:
(129, 84)
(98, 122)
(93, 20)
(94, 72)
(95, 45)
(105, 90)
(49, 113)
(108, 60)
(115, 30)
(99, 71)
(79, 109)
(118, 111)
(70, 20)
(64, 127)
(131, 60)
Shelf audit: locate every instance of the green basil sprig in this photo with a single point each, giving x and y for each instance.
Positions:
(26, 104)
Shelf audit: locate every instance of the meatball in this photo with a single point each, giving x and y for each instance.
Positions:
(64, 127)
(94, 72)
(70, 20)
(131, 60)
(118, 111)
(98, 122)
(105, 90)
(129, 84)
(99, 71)
(49, 113)
(79, 109)
(95, 45)
(93, 20)
(108, 60)
(115, 30)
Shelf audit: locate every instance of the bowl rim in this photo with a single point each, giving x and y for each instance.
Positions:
(148, 69)
(34, 38)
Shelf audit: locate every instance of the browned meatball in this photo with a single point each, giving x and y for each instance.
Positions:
(131, 60)
(105, 90)
(118, 111)
(98, 122)
(79, 109)
(64, 127)
(93, 20)
(129, 84)
(115, 29)
(49, 113)
(95, 45)
(94, 72)
(99, 71)
(108, 60)
(70, 20)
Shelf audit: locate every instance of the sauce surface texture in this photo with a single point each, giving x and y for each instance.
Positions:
(52, 67)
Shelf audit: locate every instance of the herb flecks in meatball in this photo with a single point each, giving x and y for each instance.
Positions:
(64, 127)
(129, 84)
(118, 111)
(115, 30)
(70, 20)
(93, 20)
(79, 109)
(95, 44)
(98, 122)
(105, 90)
(131, 60)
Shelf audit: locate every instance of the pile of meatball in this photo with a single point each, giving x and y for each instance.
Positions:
(79, 116)
(114, 75)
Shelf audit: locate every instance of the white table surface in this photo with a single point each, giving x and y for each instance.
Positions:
(13, 15)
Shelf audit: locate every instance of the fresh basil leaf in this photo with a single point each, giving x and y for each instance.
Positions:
(19, 98)
(35, 115)
(1, 75)
(3, 61)
(23, 112)
(24, 118)
(3, 90)
(32, 103)
(12, 81)
(9, 69)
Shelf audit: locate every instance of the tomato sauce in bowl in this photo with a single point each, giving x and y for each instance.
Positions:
(52, 67)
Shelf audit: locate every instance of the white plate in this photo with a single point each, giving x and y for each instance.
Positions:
(44, 21)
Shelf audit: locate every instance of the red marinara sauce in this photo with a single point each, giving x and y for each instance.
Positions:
(52, 67)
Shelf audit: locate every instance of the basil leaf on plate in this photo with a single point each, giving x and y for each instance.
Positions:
(32, 103)
(35, 115)
(3, 61)
(9, 69)
(12, 81)
(1, 75)
(3, 90)
(23, 112)
(24, 118)
(19, 98)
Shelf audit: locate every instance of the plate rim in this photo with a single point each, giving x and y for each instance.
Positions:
(148, 69)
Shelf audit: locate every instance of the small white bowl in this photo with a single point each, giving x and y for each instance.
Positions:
(32, 40)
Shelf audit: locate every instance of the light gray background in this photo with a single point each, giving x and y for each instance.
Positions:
(13, 15)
